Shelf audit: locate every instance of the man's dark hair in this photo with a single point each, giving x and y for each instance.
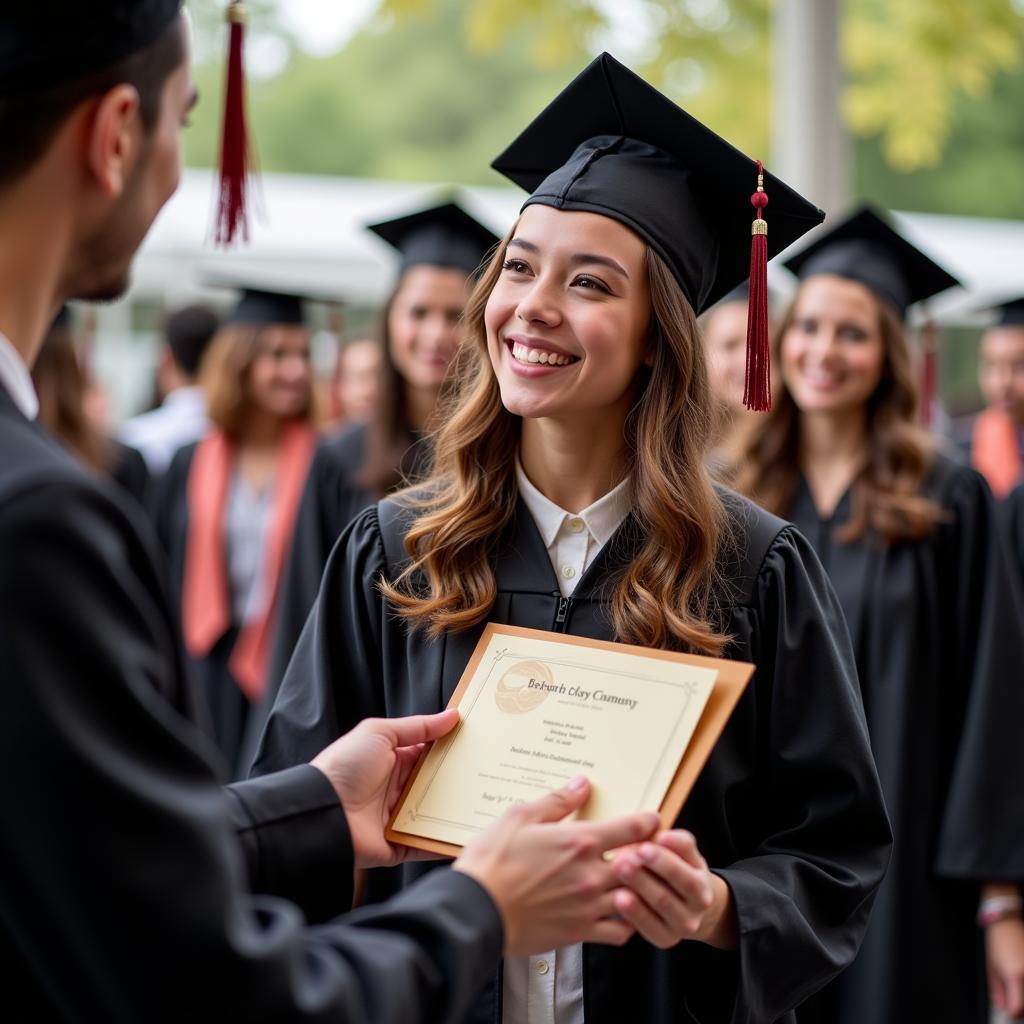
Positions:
(188, 332)
(29, 120)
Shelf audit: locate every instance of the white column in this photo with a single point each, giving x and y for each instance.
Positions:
(811, 146)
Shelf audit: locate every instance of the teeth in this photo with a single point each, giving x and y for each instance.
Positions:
(524, 354)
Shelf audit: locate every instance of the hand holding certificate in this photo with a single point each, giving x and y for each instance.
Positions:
(538, 708)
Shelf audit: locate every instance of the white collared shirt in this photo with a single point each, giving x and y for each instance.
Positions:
(548, 989)
(158, 434)
(17, 381)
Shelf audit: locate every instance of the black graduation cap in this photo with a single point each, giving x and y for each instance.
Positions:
(609, 143)
(260, 307)
(1009, 313)
(867, 249)
(41, 45)
(441, 236)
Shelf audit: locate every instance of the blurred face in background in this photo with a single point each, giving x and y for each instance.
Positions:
(1001, 370)
(359, 380)
(725, 344)
(424, 324)
(833, 353)
(280, 378)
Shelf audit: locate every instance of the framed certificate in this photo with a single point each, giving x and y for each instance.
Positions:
(538, 708)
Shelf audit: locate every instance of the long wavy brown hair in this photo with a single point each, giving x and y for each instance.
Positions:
(667, 595)
(224, 374)
(886, 495)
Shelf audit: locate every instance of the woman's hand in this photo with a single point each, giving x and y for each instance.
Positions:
(1004, 961)
(669, 894)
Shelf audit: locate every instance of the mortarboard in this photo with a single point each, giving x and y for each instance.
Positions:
(865, 248)
(41, 47)
(256, 306)
(441, 236)
(1009, 312)
(609, 143)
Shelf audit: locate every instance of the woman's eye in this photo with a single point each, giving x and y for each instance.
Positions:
(807, 326)
(853, 334)
(516, 266)
(584, 281)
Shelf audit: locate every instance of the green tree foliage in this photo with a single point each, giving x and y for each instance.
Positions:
(433, 89)
(405, 99)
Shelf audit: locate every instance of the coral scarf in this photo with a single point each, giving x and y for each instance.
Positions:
(995, 451)
(206, 601)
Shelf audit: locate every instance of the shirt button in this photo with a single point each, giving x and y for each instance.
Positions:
(568, 571)
(576, 525)
(543, 967)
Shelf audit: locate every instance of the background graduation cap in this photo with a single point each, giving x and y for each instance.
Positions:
(866, 248)
(441, 236)
(609, 143)
(1009, 311)
(43, 46)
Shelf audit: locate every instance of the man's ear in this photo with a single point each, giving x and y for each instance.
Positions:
(113, 139)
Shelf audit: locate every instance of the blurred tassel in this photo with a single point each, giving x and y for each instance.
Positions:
(757, 392)
(929, 371)
(231, 216)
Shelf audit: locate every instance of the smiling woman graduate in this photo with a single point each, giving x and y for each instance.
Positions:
(912, 546)
(569, 493)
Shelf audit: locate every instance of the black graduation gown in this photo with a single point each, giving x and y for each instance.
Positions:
(227, 706)
(1012, 509)
(332, 498)
(788, 808)
(939, 641)
(128, 468)
(128, 868)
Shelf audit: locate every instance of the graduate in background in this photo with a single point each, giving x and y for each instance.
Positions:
(724, 330)
(911, 543)
(441, 248)
(570, 493)
(62, 385)
(996, 442)
(228, 504)
(180, 419)
(357, 380)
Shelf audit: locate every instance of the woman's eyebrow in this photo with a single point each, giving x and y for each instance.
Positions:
(576, 260)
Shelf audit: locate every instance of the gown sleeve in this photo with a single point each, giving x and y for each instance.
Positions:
(341, 640)
(131, 897)
(820, 840)
(982, 835)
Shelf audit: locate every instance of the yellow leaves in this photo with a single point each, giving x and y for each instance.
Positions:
(908, 60)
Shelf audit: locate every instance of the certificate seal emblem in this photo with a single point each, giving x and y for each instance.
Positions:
(514, 695)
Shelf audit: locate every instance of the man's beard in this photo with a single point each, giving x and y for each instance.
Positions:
(104, 267)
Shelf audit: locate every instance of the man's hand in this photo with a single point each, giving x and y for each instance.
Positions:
(671, 895)
(368, 768)
(1004, 960)
(549, 878)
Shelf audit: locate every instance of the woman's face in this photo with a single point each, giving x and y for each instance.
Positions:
(424, 323)
(725, 344)
(833, 354)
(567, 321)
(280, 376)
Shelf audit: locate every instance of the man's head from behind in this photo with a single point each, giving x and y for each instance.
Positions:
(92, 101)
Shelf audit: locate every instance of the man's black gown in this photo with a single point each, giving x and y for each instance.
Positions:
(938, 635)
(788, 809)
(128, 870)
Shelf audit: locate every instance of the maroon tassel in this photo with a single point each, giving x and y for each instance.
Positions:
(929, 371)
(757, 391)
(231, 214)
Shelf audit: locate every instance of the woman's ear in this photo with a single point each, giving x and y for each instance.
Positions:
(113, 139)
